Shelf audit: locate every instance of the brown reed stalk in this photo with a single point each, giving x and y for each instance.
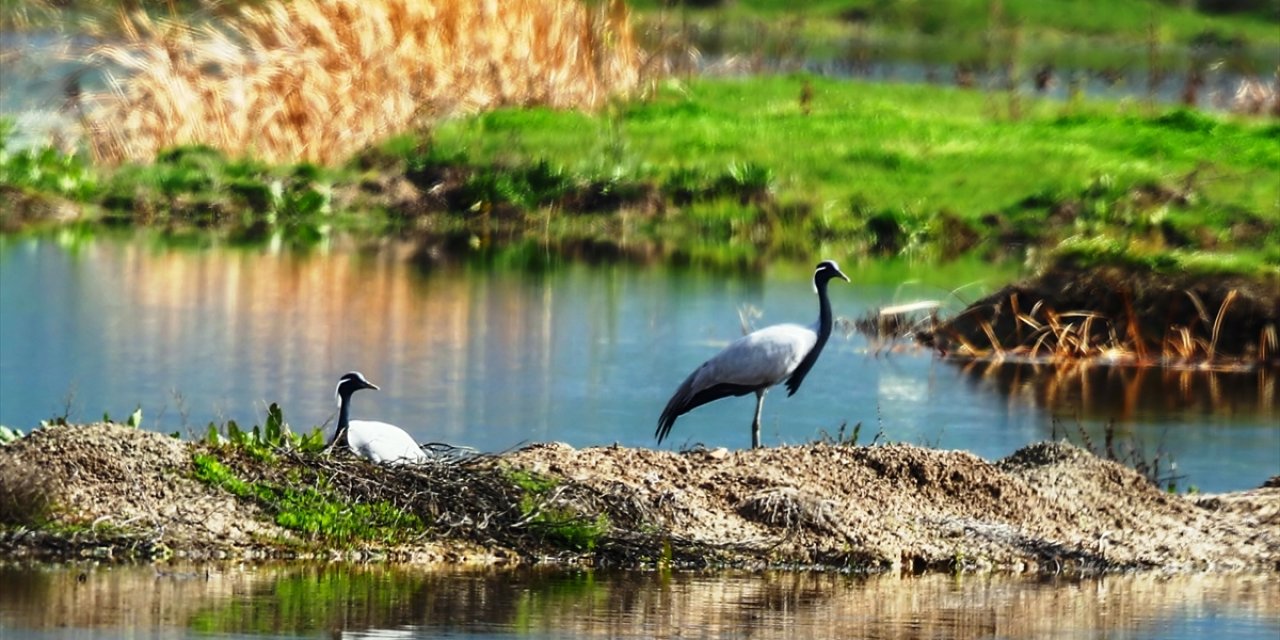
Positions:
(1267, 342)
(318, 80)
(1044, 336)
(1217, 322)
(991, 335)
(1195, 300)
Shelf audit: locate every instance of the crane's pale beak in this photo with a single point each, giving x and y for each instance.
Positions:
(375, 387)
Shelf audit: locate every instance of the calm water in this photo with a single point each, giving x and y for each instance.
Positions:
(493, 358)
(380, 602)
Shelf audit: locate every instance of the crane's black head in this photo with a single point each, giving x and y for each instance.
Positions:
(350, 383)
(826, 270)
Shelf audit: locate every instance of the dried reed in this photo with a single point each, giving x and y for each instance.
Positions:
(317, 80)
(1082, 335)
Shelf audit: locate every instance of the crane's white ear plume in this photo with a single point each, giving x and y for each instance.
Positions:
(826, 270)
(349, 383)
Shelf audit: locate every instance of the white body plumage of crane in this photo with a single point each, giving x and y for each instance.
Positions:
(377, 441)
(757, 361)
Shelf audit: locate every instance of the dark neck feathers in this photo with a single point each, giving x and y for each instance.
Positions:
(824, 332)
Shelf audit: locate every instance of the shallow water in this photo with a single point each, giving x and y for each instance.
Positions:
(381, 602)
(495, 357)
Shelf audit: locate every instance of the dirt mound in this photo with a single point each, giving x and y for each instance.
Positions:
(110, 477)
(1049, 507)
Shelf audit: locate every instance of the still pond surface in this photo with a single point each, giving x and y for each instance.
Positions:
(495, 357)
(382, 602)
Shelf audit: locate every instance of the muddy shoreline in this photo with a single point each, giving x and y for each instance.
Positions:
(113, 493)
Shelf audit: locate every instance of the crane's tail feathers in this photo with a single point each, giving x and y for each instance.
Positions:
(676, 407)
(664, 426)
(685, 400)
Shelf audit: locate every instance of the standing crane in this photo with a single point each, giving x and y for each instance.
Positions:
(757, 361)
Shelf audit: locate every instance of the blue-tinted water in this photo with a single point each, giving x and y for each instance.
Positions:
(492, 358)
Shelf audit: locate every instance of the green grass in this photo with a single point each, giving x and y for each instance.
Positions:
(903, 147)
(918, 157)
(737, 172)
(312, 510)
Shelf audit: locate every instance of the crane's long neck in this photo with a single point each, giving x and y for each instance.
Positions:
(824, 317)
(344, 421)
(824, 332)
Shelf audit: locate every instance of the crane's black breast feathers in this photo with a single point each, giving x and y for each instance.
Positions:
(802, 370)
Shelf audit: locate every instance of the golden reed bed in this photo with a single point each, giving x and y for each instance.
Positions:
(317, 80)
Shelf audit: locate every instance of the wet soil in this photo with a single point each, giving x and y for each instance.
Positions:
(114, 491)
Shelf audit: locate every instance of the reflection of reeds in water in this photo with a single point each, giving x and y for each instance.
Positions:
(1124, 393)
(318, 79)
(305, 600)
(295, 319)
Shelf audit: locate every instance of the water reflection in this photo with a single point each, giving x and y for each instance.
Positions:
(491, 358)
(370, 601)
(1125, 393)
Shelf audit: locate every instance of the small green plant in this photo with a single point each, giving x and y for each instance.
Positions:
(746, 181)
(262, 442)
(564, 526)
(44, 169)
(532, 482)
(8, 434)
(841, 438)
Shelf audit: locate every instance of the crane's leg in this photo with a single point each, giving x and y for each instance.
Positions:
(755, 425)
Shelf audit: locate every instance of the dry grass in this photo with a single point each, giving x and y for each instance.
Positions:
(27, 495)
(317, 80)
(984, 332)
(1083, 334)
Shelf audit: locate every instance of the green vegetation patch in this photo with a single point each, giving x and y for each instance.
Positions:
(740, 172)
(1098, 31)
(749, 168)
(560, 522)
(314, 512)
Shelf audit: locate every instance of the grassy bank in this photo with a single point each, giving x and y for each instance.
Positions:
(733, 170)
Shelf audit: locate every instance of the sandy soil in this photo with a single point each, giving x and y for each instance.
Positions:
(1048, 508)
